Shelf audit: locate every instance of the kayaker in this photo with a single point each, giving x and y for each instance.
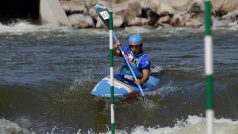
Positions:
(138, 60)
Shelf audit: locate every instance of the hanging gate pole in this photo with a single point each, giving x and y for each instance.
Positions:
(111, 72)
(209, 68)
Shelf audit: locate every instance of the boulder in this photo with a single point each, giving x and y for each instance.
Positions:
(164, 7)
(74, 7)
(177, 20)
(151, 15)
(127, 8)
(92, 13)
(133, 21)
(154, 5)
(195, 23)
(231, 17)
(196, 7)
(164, 19)
(99, 23)
(178, 5)
(118, 21)
(134, 9)
(225, 5)
(81, 21)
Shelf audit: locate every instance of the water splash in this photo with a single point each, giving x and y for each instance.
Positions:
(192, 125)
(157, 69)
(85, 79)
(23, 27)
(164, 91)
(8, 127)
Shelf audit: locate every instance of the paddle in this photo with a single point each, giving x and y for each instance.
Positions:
(103, 13)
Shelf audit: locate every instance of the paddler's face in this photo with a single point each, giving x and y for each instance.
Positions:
(136, 49)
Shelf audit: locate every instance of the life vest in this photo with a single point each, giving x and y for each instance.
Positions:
(134, 62)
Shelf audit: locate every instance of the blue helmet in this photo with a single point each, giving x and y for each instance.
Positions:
(135, 39)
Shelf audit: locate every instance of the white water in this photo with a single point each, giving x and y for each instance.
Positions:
(8, 127)
(192, 125)
(22, 27)
(26, 27)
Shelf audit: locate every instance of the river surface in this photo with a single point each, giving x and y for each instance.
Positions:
(47, 73)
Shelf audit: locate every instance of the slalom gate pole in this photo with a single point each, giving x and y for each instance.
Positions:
(111, 71)
(209, 68)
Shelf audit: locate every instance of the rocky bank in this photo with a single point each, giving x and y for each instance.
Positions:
(153, 13)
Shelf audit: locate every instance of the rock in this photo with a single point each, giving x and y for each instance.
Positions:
(225, 5)
(127, 8)
(154, 5)
(151, 15)
(92, 13)
(134, 9)
(120, 1)
(164, 7)
(74, 7)
(178, 5)
(177, 20)
(232, 16)
(149, 12)
(159, 24)
(219, 12)
(164, 19)
(99, 23)
(193, 23)
(196, 7)
(133, 21)
(145, 21)
(81, 21)
(118, 21)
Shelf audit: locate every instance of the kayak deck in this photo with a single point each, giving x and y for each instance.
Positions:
(122, 88)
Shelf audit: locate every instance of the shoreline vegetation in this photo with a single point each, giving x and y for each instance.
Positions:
(152, 13)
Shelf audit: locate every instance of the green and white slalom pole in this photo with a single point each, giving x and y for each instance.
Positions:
(209, 68)
(111, 71)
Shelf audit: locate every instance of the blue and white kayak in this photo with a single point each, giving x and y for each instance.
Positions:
(123, 88)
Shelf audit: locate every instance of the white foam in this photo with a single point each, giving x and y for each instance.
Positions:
(8, 127)
(192, 125)
(22, 27)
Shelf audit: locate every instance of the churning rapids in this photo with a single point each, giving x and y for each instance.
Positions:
(47, 73)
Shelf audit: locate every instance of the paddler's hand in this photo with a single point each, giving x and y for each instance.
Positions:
(138, 82)
(116, 48)
(118, 43)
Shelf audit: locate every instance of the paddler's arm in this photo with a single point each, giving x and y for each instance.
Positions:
(117, 51)
(145, 77)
